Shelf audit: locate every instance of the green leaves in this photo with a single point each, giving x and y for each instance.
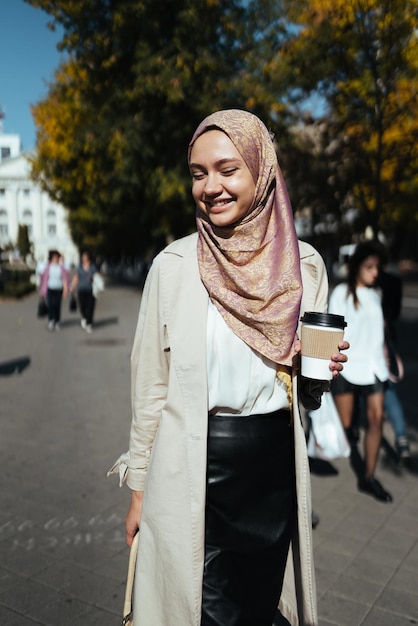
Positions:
(362, 56)
(138, 76)
(114, 129)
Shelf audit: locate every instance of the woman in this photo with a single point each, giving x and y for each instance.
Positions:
(54, 285)
(83, 283)
(391, 288)
(213, 441)
(366, 373)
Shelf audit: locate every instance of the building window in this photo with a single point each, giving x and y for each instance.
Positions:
(4, 228)
(26, 192)
(27, 220)
(2, 192)
(51, 225)
(5, 153)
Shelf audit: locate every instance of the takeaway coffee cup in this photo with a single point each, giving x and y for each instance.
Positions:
(320, 335)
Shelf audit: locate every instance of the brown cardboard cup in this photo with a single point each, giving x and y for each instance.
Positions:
(320, 335)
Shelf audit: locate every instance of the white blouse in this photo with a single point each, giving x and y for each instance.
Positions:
(55, 276)
(364, 332)
(240, 381)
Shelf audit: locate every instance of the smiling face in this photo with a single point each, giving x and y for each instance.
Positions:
(223, 187)
(368, 272)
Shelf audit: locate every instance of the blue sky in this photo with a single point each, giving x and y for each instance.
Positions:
(28, 58)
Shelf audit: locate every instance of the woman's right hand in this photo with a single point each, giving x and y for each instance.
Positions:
(133, 518)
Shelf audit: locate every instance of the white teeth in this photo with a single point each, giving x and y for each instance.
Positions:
(221, 203)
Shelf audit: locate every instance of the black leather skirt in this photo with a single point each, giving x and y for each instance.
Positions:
(250, 515)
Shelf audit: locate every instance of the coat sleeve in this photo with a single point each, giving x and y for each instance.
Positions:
(149, 378)
(314, 280)
(315, 298)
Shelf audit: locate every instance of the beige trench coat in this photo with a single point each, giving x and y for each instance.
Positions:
(168, 445)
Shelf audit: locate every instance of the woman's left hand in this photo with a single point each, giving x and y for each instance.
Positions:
(337, 359)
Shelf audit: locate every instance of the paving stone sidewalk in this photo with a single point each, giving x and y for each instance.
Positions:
(64, 420)
(65, 415)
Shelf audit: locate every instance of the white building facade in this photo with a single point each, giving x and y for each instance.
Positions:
(23, 202)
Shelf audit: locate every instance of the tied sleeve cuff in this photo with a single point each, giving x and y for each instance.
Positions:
(136, 470)
(121, 467)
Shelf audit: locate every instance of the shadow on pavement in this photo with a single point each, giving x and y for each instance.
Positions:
(106, 322)
(97, 324)
(69, 323)
(14, 366)
(109, 341)
(322, 468)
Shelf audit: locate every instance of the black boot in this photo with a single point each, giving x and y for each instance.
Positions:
(374, 488)
(353, 435)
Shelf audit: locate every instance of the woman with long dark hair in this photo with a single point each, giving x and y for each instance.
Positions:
(366, 373)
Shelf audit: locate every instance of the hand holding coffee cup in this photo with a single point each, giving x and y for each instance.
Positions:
(320, 335)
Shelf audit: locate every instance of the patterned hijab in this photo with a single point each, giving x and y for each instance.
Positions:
(252, 269)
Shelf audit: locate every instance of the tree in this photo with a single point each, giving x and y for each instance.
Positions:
(362, 56)
(23, 242)
(112, 132)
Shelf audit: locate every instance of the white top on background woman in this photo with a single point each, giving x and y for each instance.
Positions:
(364, 332)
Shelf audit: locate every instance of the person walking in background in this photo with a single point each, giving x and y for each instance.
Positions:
(396, 415)
(366, 372)
(391, 287)
(54, 285)
(82, 284)
(217, 462)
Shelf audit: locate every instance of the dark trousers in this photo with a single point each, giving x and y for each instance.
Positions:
(86, 303)
(250, 516)
(54, 297)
